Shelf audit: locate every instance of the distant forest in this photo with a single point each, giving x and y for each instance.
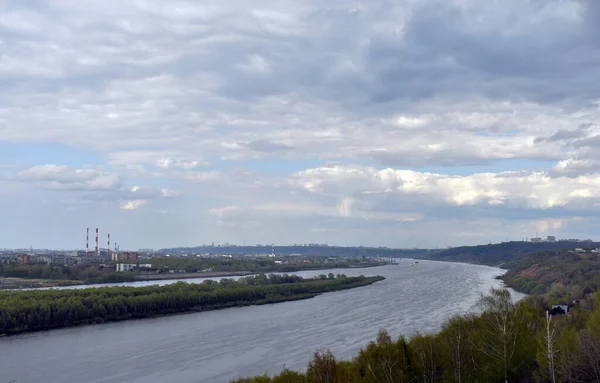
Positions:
(502, 253)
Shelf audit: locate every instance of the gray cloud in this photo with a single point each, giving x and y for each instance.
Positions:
(164, 94)
(266, 146)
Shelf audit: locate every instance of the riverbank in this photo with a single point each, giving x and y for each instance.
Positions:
(16, 283)
(25, 311)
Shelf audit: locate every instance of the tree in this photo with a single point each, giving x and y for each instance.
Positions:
(501, 330)
(457, 339)
(426, 350)
(549, 350)
(321, 368)
(384, 360)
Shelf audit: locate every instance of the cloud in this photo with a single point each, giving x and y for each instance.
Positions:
(62, 177)
(314, 117)
(169, 193)
(169, 163)
(266, 146)
(133, 204)
(530, 190)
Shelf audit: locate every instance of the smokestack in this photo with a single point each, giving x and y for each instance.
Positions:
(108, 246)
(87, 241)
(96, 242)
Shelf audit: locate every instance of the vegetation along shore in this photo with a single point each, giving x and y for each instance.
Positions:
(17, 276)
(23, 311)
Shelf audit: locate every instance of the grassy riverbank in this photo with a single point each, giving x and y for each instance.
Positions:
(23, 311)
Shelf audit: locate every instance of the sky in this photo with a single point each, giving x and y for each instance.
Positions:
(404, 123)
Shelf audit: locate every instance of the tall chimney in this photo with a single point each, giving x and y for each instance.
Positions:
(108, 247)
(87, 241)
(96, 242)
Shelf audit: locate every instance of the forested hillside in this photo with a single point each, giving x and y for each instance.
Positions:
(501, 253)
(563, 275)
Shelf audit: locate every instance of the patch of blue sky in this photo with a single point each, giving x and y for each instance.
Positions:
(503, 133)
(492, 167)
(39, 153)
(278, 166)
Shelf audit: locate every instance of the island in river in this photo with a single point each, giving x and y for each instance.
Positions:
(34, 310)
(19, 276)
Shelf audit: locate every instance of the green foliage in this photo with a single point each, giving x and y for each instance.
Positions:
(33, 310)
(562, 276)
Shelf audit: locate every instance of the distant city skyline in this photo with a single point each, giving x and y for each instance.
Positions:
(268, 246)
(402, 124)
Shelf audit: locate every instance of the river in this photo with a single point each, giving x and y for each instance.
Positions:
(217, 346)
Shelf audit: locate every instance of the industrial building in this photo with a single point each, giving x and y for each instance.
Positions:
(122, 267)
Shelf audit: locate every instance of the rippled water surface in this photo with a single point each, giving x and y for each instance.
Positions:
(220, 345)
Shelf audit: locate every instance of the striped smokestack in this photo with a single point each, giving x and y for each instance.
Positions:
(96, 242)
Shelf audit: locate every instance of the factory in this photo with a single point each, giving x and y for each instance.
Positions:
(96, 256)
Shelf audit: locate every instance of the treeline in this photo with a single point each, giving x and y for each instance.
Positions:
(501, 254)
(86, 274)
(563, 276)
(506, 343)
(251, 265)
(90, 274)
(33, 310)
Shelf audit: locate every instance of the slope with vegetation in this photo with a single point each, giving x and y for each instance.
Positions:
(563, 275)
(502, 253)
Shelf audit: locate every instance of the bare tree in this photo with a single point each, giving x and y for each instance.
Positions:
(589, 353)
(550, 350)
(423, 346)
(502, 327)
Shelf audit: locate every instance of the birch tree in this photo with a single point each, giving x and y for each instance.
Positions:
(501, 328)
(550, 346)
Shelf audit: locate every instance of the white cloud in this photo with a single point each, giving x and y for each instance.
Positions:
(133, 204)
(169, 163)
(169, 193)
(537, 190)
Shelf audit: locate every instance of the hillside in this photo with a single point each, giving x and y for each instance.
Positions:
(502, 253)
(562, 275)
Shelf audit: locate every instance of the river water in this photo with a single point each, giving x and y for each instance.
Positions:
(221, 345)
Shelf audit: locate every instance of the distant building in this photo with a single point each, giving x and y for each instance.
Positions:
(536, 240)
(551, 238)
(124, 256)
(23, 259)
(122, 267)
